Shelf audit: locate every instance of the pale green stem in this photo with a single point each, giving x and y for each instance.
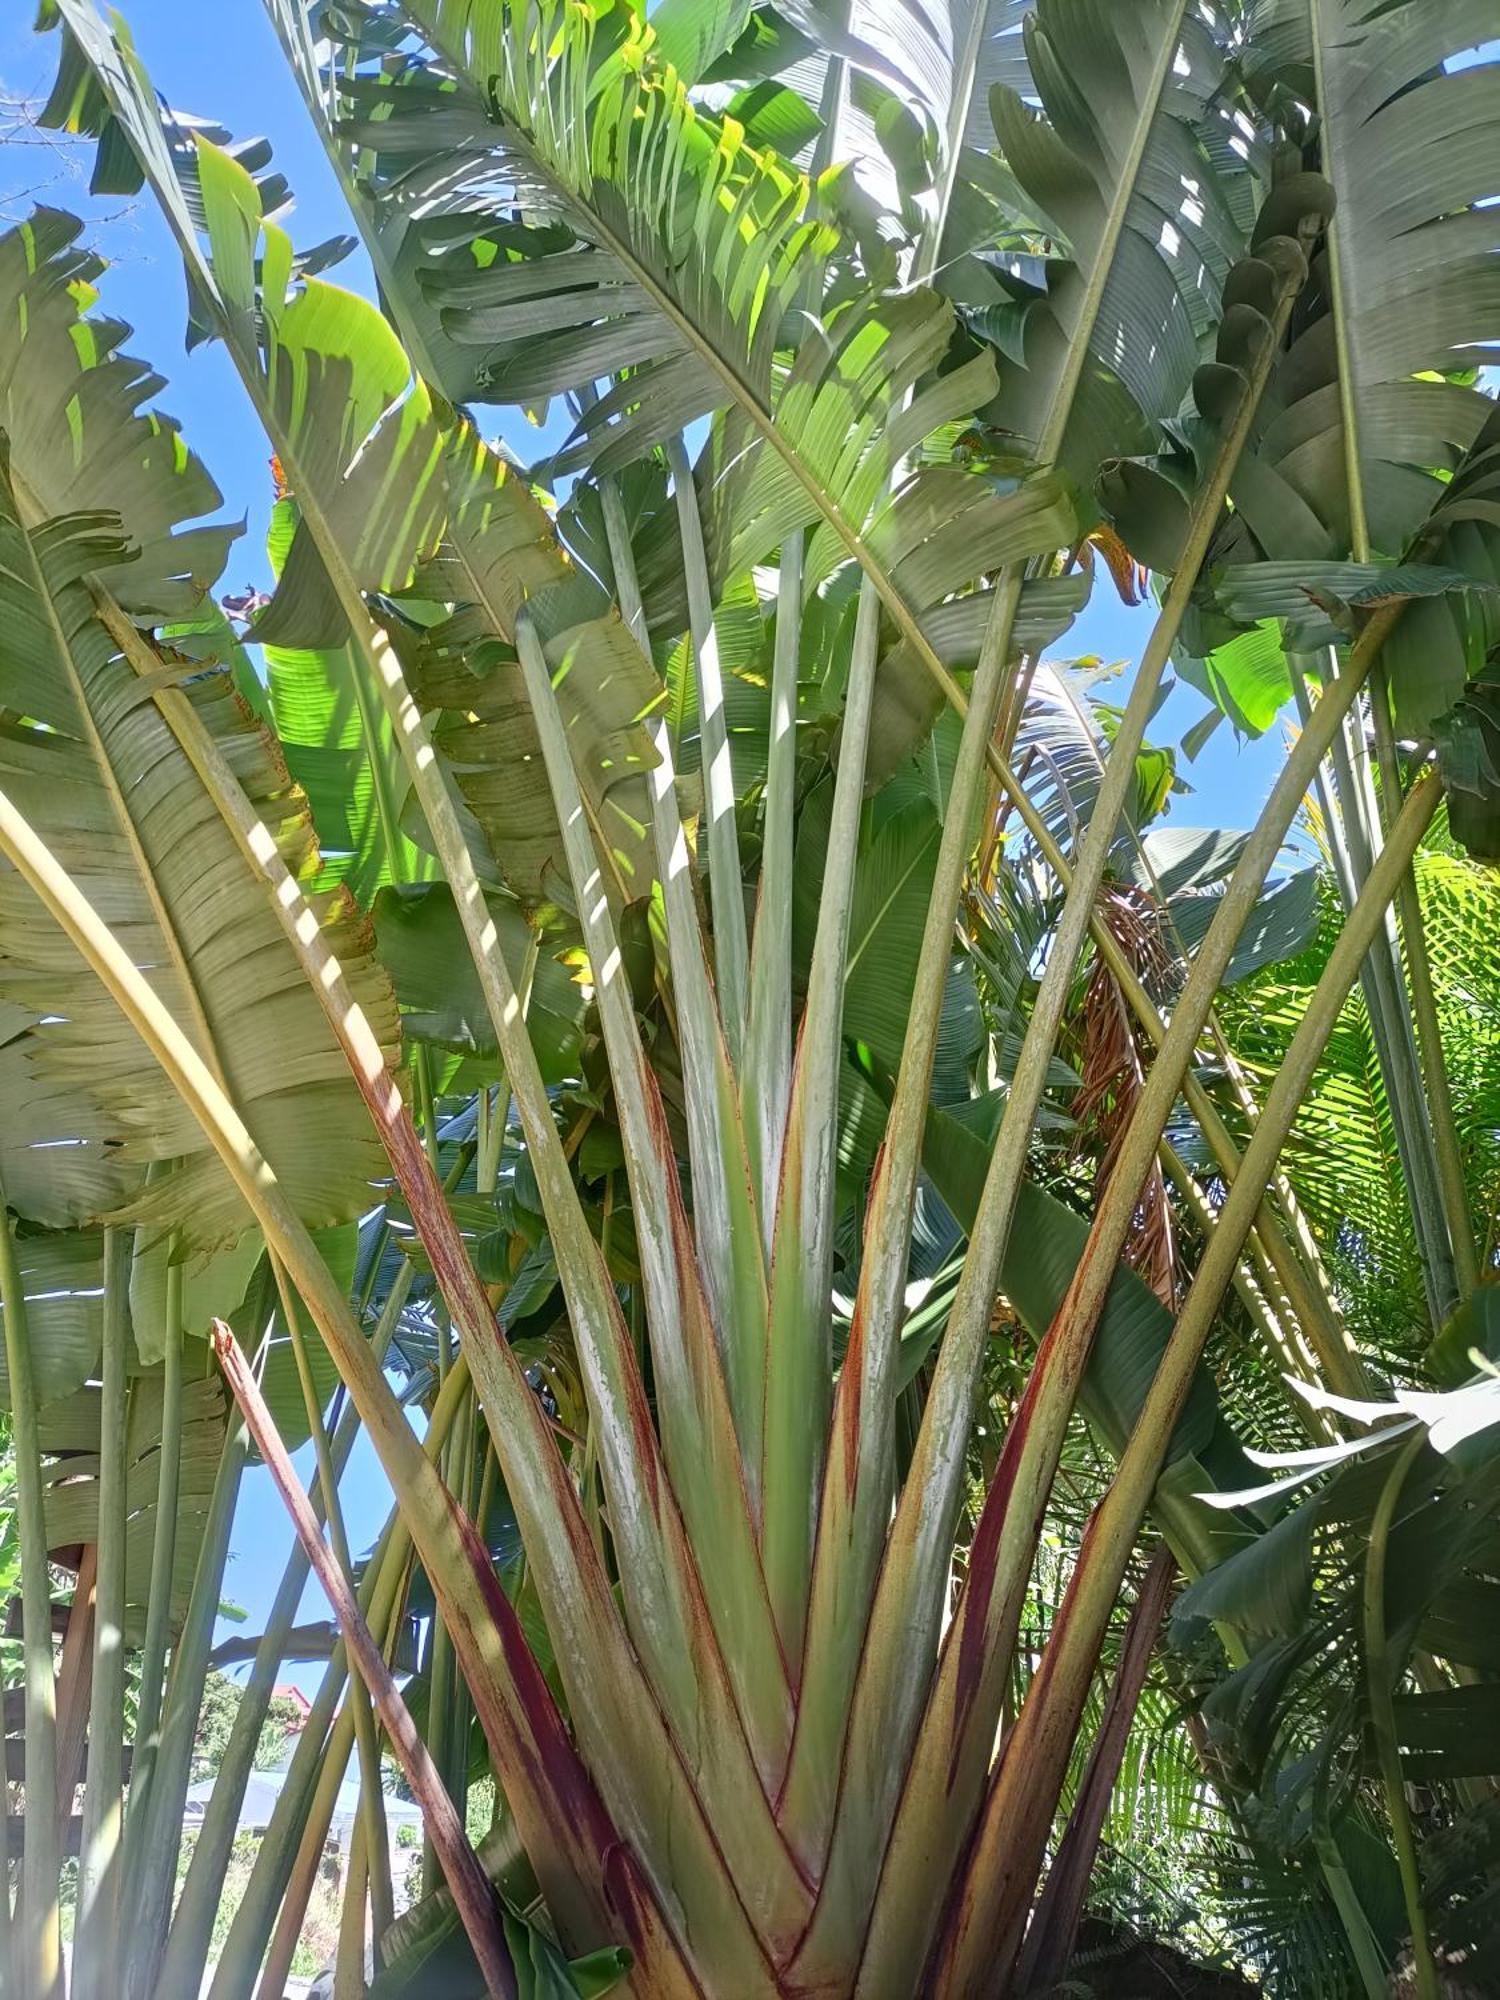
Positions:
(192, 1923)
(349, 1959)
(442, 1690)
(1352, 1915)
(163, 1554)
(730, 1255)
(731, 951)
(97, 1941)
(151, 1863)
(487, 1166)
(8, 1972)
(768, 1044)
(1348, 843)
(460, 1714)
(39, 1943)
(311, 1759)
(799, 1353)
(371, 1796)
(298, 1864)
(1439, 1097)
(622, 560)
(1380, 1679)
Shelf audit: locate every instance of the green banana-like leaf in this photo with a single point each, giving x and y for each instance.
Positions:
(95, 764)
(414, 504)
(1116, 166)
(1377, 432)
(672, 253)
(500, 552)
(1409, 146)
(421, 945)
(340, 748)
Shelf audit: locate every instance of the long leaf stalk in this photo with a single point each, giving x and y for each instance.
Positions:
(768, 1036)
(197, 1906)
(508, 1398)
(371, 1796)
(731, 950)
(799, 1354)
(163, 1554)
(7, 1927)
(690, 1386)
(967, 1693)
(300, 1859)
(97, 1932)
(521, 1724)
(442, 1679)
(154, 1836)
(1053, 1930)
(984, 1926)
(1381, 1673)
(324, 1744)
(1419, 984)
(728, 1214)
(349, 1954)
(887, 1700)
(1349, 835)
(37, 1948)
(471, 1890)
(74, 1665)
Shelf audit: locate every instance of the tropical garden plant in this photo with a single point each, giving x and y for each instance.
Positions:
(646, 958)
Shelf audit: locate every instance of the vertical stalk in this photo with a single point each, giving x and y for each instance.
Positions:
(799, 1352)
(151, 1863)
(163, 1553)
(97, 1936)
(1053, 1930)
(40, 1946)
(1439, 1097)
(192, 1922)
(8, 1973)
(1380, 1676)
(371, 1800)
(768, 1043)
(442, 1683)
(731, 951)
(349, 1956)
(1360, 819)
(472, 1893)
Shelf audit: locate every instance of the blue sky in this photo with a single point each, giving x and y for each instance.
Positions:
(221, 61)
